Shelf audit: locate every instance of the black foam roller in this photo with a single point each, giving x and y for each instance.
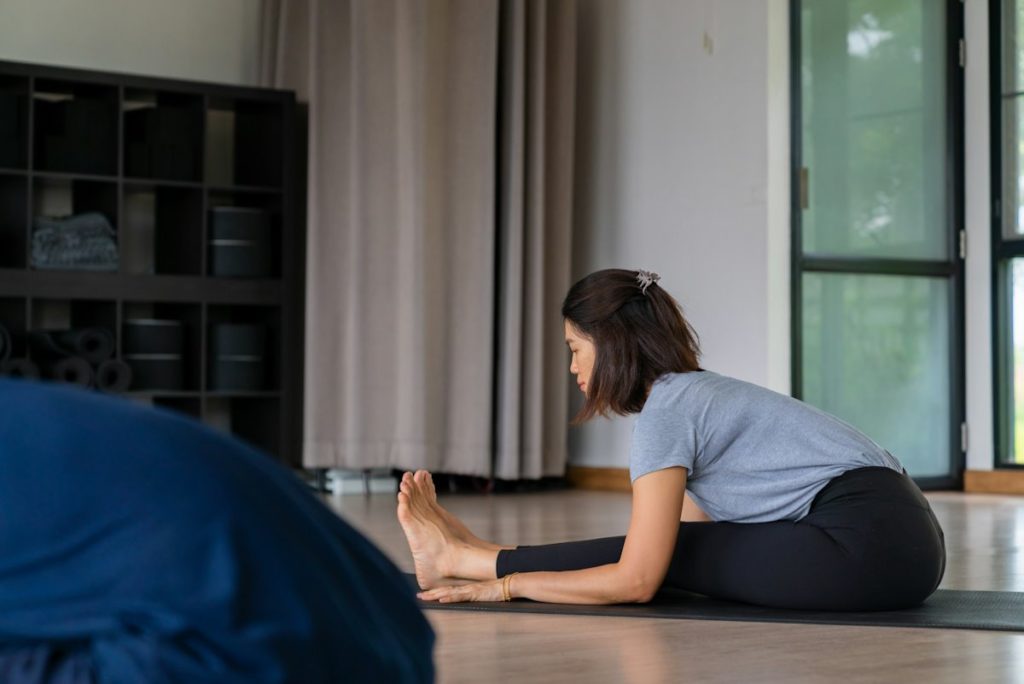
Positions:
(45, 346)
(74, 370)
(95, 345)
(113, 376)
(19, 368)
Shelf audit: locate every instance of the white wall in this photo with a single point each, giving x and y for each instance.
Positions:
(981, 447)
(206, 40)
(682, 168)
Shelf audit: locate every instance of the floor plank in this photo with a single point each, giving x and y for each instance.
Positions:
(984, 539)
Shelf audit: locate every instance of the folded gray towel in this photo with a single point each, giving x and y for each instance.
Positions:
(81, 242)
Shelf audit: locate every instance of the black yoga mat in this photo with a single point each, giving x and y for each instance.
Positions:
(945, 609)
(95, 345)
(113, 376)
(46, 345)
(74, 370)
(19, 368)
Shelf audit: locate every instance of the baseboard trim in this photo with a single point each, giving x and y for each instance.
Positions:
(994, 481)
(601, 479)
(617, 480)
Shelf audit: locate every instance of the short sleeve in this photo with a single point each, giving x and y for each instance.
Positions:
(662, 438)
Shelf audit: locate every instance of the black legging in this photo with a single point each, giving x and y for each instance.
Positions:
(870, 542)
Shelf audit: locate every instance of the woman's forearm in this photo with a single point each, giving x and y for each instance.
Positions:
(601, 585)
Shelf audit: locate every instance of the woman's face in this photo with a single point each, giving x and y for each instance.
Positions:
(583, 353)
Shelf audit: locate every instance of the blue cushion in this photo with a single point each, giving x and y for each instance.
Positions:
(137, 545)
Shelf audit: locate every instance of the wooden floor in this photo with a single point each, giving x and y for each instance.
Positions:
(985, 546)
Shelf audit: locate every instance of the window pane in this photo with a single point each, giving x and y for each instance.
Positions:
(874, 128)
(876, 354)
(1013, 56)
(1016, 408)
(1013, 168)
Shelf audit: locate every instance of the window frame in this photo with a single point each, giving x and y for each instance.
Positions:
(1003, 250)
(952, 268)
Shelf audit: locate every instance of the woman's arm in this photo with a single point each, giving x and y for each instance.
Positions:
(692, 512)
(650, 542)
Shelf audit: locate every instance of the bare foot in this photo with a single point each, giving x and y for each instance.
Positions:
(433, 544)
(455, 526)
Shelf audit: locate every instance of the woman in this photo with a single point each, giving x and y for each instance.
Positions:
(739, 493)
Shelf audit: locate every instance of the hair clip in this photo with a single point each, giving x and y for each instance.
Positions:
(645, 279)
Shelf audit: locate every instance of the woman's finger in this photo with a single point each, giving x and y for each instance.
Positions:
(448, 594)
(434, 594)
(457, 594)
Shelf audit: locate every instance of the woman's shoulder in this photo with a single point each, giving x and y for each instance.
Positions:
(671, 388)
(697, 378)
(695, 387)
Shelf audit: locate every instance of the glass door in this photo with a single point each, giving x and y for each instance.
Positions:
(1006, 34)
(877, 218)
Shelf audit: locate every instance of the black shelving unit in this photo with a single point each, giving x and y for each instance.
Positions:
(158, 158)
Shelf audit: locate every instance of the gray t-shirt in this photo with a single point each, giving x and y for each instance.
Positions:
(751, 454)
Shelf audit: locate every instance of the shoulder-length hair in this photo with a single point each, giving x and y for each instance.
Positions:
(638, 334)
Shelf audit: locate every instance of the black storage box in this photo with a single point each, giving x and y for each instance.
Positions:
(153, 336)
(12, 130)
(77, 136)
(240, 242)
(156, 371)
(259, 155)
(51, 135)
(92, 125)
(162, 143)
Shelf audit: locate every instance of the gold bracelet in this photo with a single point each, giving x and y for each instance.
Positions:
(506, 583)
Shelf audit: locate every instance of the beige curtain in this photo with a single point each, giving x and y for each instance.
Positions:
(439, 214)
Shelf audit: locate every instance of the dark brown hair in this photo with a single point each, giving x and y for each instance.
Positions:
(637, 337)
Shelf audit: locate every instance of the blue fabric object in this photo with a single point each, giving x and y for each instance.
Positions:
(137, 545)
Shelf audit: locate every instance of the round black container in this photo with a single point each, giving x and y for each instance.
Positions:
(240, 242)
(153, 336)
(237, 374)
(156, 371)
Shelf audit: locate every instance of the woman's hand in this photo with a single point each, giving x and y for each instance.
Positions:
(489, 590)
